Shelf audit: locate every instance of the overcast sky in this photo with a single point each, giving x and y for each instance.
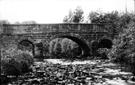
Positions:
(53, 11)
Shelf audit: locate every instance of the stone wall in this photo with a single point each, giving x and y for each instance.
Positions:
(46, 32)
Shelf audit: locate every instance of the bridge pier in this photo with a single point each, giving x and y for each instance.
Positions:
(94, 48)
(38, 50)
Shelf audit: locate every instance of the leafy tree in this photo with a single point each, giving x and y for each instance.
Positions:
(67, 44)
(58, 50)
(119, 20)
(123, 49)
(100, 17)
(55, 47)
(75, 16)
(4, 22)
(63, 47)
(94, 17)
(51, 46)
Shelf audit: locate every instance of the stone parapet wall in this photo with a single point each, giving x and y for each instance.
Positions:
(45, 28)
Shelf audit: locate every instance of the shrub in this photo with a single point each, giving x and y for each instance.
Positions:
(10, 67)
(62, 48)
(124, 46)
(103, 52)
(15, 62)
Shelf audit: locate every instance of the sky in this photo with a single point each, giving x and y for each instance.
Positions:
(53, 11)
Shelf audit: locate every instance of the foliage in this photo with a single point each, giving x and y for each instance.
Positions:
(100, 17)
(124, 25)
(62, 48)
(119, 20)
(103, 53)
(67, 44)
(124, 46)
(26, 46)
(15, 62)
(124, 42)
(75, 16)
(57, 49)
(4, 22)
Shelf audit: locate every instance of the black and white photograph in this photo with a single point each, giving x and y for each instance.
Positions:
(67, 42)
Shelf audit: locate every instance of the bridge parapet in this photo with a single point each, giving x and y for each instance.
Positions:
(46, 28)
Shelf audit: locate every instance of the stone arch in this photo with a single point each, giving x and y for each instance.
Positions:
(105, 43)
(26, 43)
(83, 45)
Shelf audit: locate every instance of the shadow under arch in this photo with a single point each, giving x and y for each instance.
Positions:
(105, 43)
(84, 47)
(28, 44)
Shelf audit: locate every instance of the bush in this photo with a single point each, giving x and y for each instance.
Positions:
(123, 50)
(62, 48)
(15, 62)
(10, 67)
(103, 52)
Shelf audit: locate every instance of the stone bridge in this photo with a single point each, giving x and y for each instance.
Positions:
(88, 36)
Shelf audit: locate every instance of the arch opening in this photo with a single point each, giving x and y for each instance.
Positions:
(26, 45)
(105, 43)
(83, 46)
(81, 50)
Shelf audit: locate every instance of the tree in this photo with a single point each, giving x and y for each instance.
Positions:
(94, 17)
(75, 16)
(4, 22)
(63, 47)
(124, 46)
(67, 44)
(100, 17)
(118, 20)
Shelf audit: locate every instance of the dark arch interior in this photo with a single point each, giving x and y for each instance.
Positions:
(105, 43)
(82, 45)
(26, 45)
